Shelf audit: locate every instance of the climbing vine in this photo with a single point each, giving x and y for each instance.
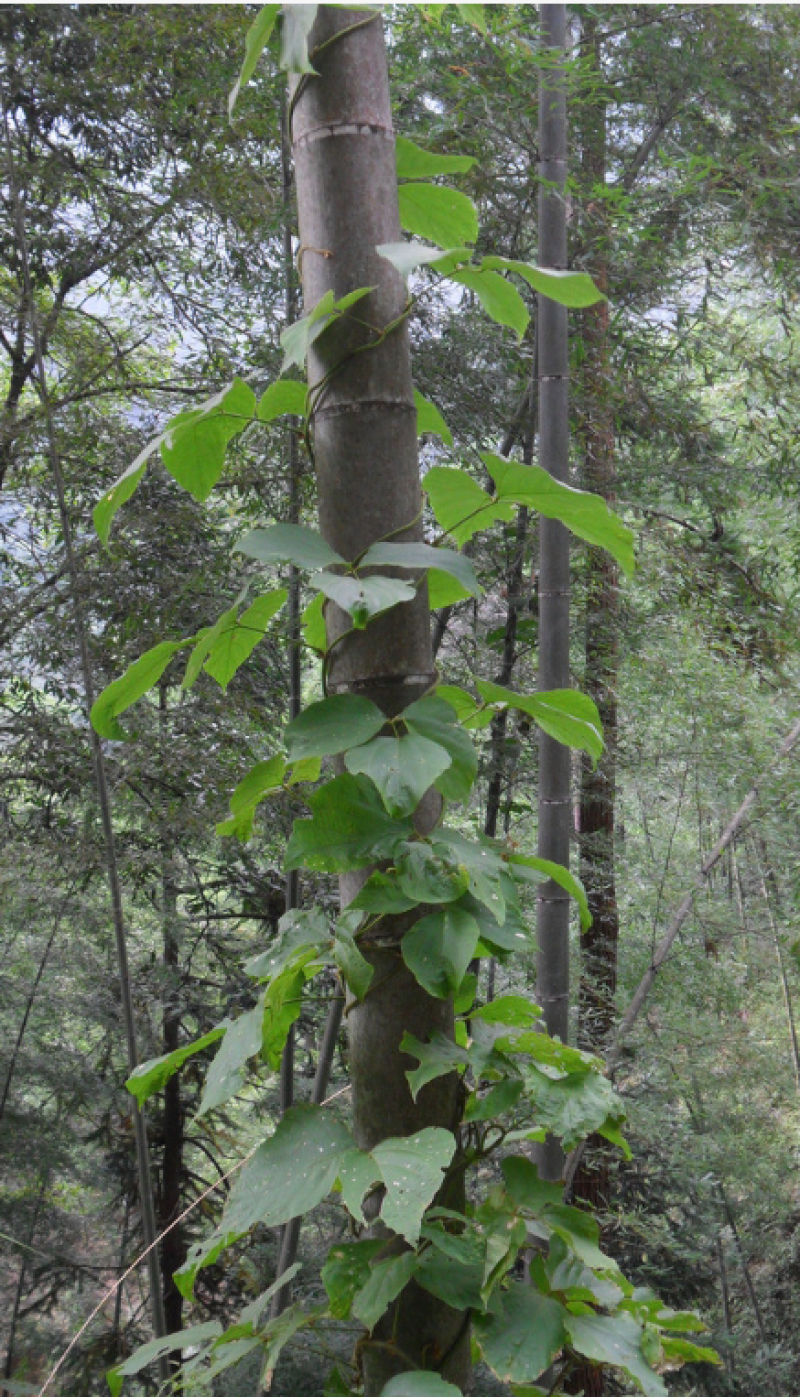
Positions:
(518, 1083)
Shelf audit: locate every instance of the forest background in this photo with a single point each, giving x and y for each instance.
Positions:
(156, 235)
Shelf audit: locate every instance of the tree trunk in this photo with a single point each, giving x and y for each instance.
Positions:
(365, 445)
(554, 573)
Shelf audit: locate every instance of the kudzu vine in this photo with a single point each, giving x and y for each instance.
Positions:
(519, 1084)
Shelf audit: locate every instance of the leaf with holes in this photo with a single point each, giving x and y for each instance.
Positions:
(412, 1169)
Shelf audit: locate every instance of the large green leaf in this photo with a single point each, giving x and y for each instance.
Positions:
(350, 828)
(616, 1340)
(291, 1172)
(282, 1008)
(195, 442)
(284, 398)
(149, 1077)
(439, 948)
(357, 1173)
(407, 257)
(445, 590)
(523, 1333)
(436, 1059)
(435, 719)
(260, 780)
(411, 1168)
(384, 1284)
(444, 216)
(461, 506)
(156, 1348)
(257, 37)
(346, 1271)
(574, 1106)
(297, 339)
(420, 1384)
(300, 930)
(138, 679)
(429, 874)
(402, 768)
(501, 301)
(355, 970)
(415, 163)
(297, 22)
(236, 643)
(333, 724)
(122, 489)
(584, 514)
(423, 555)
(429, 419)
(565, 714)
(225, 1076)
(288, 543)
(471, 713)
(540, 869)
(458, 1285)
(363, 597)
(207, 639)
(575, 290)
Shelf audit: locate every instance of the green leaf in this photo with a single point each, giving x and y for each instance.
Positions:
(683, 1351)
(297, 339)
(574, 1106)
(384, 1284)
(357, 1173)
(156, 1348)
(402, 769)
(511, 1009)
(284, 398)
(526, 1188)
(195, 442)
(257, 37)
(444, 590)
(271, 1188)
(350, 829)
(435, 719)
(225, 1076)
(363, 597)
(419, 1385)
(411, 1169)
(565, 714)
(462, 508)
(236, 642)
(300, 930)
(471, 713)
(474, 15)
(573, 289)
(617, 1340)
(313, 624)
(458, 1285)
(288, 543)
(523, 1334)
(439, 948)
(297, 21)
(333, 725)
(584, 514)
(484, 865)
(282, 1008)
(545, 868)
(149, 1077)
(429, 419)
(501, 301)
(346, 1271)
(436, 1059)
(383, 894)
(260, 780)
(137, 680)
(428, 874)
(423, 555)
(406, 257)
(121, 491)
(355, 970)
(415, 163)
(444, 216)
(337, 1386)
(495, 1102)
(206, 639)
